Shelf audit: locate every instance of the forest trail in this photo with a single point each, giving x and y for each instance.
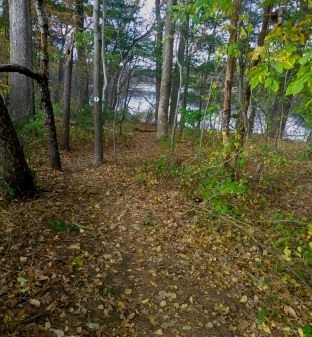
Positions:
(141, 264)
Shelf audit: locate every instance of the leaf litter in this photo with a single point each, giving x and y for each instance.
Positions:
(103, 253)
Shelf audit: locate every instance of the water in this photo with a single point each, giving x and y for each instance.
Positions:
(143, 102)
(143, 99)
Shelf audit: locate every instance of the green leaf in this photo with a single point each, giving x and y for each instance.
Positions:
(187, 327)
(254, 82)
(277, 66)
(308, 330)
(304, 59)
(243, 32)
(286, 65)
(275, 85)
(262, 315)
(6, 318)
(268, 82)
(78, 261)
(94, 326)
(21, 279)
(294, 88)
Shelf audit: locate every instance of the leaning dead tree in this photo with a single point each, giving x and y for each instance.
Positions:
(43, 82)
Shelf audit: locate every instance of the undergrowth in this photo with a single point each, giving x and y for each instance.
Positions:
(201, 181)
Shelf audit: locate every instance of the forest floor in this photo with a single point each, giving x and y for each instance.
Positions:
(119, 250)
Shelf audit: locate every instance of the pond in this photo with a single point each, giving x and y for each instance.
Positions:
(143, 102)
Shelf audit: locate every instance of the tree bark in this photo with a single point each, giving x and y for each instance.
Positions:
(82, 71)
(17, 175)
(277, 117)
(247, 95)
(186, 85)
(104, 58)
(162, 122)
(98, 131)
(55, 160)
(158, 54)
(22, 90)
(176, 81)
(229, 75)
(67, 92)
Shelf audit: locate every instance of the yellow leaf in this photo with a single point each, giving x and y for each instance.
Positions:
(152, 320)
(121, 304)
(265, 328)
(159, 332)
(243, 33)
(145, 301)
(259, 51)
(43, 277)
(244, 299)
(74, 246)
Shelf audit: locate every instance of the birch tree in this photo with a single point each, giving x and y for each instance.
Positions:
(67, 91)
(97, 90)
(158, 53)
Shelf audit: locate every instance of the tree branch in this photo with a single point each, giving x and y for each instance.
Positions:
(16, 68)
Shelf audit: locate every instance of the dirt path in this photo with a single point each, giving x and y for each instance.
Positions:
(142, 263)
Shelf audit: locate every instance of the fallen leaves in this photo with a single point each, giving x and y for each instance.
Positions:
(144, 262)
(35, 302)
(290, 311)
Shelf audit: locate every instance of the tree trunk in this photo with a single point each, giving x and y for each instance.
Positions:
(104, 59)
(158, 54)
(162, 122)
(247, 95)
(278, 115)
(229, 75)
(186, 85)
(82, 71)
(98, 132)
(17, 175)
(60, 78)
(176, 81)
(252, 116)
(67, 92)
(22, 91)
(228, 84)
(55, 160)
